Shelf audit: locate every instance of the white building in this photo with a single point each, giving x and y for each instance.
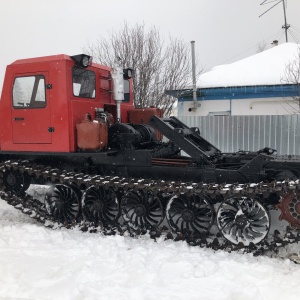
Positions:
(255, 85)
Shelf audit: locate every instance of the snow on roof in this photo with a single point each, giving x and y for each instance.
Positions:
(264, 68)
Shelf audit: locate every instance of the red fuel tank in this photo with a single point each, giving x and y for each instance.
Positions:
(92, 135)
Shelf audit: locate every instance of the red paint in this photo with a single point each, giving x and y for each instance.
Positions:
(143, 115)
(29, 129)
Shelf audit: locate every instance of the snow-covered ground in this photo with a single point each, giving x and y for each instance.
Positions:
(40, 263)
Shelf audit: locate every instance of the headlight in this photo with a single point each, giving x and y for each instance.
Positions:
(82, 60)
(85, 61)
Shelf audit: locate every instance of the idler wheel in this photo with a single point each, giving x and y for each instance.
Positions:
(100, 204)
(63, 202)
(243, 220)
(142, 209)
(190, 214)
(187, 215)
(16, 182)
(290, 209)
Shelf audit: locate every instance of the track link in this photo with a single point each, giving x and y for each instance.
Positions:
(47, 175)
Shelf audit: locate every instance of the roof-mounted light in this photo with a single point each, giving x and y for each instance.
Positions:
(82, 60)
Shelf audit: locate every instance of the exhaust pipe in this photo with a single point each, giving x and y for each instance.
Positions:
(118, 85)
(194, 77)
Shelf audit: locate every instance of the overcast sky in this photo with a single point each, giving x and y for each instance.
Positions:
(224, 30)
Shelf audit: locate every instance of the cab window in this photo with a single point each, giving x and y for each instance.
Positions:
(29, 92)
(84, 83)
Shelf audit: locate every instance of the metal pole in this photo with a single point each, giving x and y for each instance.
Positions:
(285, 26)
(194, 75)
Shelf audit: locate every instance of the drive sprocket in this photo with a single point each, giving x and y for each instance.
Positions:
(290, 209)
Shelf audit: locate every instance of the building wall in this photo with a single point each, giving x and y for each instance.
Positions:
(247, 107)
(247, 100)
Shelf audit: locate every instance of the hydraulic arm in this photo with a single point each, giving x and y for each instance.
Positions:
(186, 138)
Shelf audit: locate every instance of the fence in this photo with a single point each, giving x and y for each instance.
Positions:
(233, 133)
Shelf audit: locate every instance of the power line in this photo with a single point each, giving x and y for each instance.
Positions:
(277, 35)
(282, 33)
(295, 39)
(296, 32)
(294, 35)
(285, 26)
(269, 8)
(295, 28)
(268, 2)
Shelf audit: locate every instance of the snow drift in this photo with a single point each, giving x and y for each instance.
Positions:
(40, 263)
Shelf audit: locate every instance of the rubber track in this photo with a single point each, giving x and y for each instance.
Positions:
(35, 209)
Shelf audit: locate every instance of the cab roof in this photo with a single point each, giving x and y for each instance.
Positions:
(52, 58)
(42, 59)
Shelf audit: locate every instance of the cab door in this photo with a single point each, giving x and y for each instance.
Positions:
(31, 115)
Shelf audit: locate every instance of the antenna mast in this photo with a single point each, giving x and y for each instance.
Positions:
(285, 26)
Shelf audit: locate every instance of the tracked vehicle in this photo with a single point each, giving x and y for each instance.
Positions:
(70, 124)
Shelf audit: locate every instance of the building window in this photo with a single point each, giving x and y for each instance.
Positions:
(84, 83)
(29, 92)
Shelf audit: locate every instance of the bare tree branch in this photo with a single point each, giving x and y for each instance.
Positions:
(157, 66)
(292, 76)
(261, 46)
